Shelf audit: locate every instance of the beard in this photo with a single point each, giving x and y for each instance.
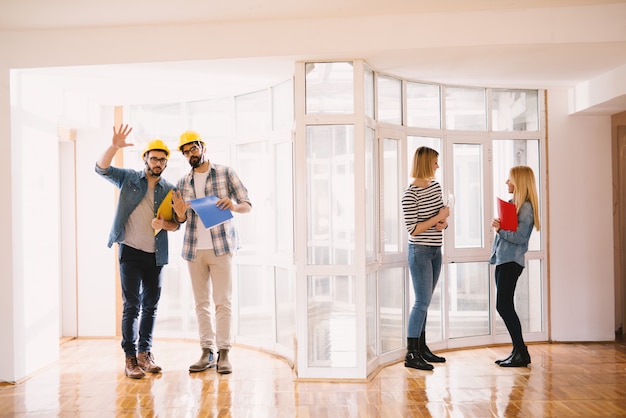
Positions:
(156, 172)
(196, 161)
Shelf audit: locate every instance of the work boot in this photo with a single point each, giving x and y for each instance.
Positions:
(146, 362)
(223, 365)
(132, 369)
(206, 361)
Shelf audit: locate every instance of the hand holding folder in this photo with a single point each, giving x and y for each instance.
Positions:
(507, 212)
(209, 213)
(165, 210)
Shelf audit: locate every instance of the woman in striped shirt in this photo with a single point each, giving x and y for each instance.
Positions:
(425, 217)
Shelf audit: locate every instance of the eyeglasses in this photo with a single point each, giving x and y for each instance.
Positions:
(193, 150)
(155, 160)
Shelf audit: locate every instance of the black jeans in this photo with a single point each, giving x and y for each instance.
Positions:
(141, 291)
(506, 281)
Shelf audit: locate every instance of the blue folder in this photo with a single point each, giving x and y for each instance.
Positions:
(209, 213)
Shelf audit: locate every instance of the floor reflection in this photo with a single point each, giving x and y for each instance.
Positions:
(563, 380)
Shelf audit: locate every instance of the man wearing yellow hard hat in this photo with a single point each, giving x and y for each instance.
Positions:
(141, 233)
(209, 251)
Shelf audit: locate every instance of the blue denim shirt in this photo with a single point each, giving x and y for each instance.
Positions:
(513, 245)
(133, 186)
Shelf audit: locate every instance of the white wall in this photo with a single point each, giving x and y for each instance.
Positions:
(96, 262)
(580, 224)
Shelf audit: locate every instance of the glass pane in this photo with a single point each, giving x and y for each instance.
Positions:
(423, 103)
(391, 296)
(515, 110)
(370, 195)
(331, 313)
(329, 87)
(283, 195)
(255, 300)
(528, 304)
(392, 220)
(369, 92)
(468, 197)
(253, 113)
(370, 315)
(285, 306)
(466, 109)
(468, 293)
(157, 121)
(282, 106)
(508, 153)
(255, 171)
(212, 118)
(389, 100)
(330, 194)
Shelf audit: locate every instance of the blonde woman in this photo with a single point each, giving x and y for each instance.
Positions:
(508, 255)
(425, 217)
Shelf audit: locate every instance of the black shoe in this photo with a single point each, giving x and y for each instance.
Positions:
(415, 361)
(430, 356)
(425, 351)
(520, 358)
(507, 358)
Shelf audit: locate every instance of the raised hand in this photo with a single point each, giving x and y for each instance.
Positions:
(119, 136)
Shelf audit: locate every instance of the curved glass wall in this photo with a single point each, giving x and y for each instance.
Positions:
(321, 277)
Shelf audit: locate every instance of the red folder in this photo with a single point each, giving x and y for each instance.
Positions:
(507, 212)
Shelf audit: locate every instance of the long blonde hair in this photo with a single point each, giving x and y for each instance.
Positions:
(525, 189)
(423, 163)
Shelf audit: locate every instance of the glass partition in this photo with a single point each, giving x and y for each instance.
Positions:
(423, 105)
(330, 194)
(371, 181)
(466, 108)
(389, 91)
(329, 88)
(469, 215)
(391, 308)
(468, 294)
(252, 113)
(515, 110)
(331, 314)
(393, 225)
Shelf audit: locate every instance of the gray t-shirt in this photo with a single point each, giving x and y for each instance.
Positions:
(139, 233)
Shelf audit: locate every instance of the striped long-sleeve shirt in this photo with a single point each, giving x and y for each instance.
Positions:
(418, 205)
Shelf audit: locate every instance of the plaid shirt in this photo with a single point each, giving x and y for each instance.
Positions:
(222, 182)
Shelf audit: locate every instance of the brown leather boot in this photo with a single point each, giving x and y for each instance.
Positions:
(132, 369)
(223, 365)
(146, 362)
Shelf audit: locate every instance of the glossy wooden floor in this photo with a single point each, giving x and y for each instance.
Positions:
(564, 380)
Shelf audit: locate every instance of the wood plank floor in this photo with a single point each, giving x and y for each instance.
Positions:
(564, 380)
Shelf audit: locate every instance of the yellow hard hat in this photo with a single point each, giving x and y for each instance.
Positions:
(158, 145)
(188, 137)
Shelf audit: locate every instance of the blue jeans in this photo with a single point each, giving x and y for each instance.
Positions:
(141, 291)
(424, 266)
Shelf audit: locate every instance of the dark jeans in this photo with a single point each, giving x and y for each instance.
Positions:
(506, 281)
(141, 291)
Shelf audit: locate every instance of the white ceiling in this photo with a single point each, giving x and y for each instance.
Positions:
(510, 64)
